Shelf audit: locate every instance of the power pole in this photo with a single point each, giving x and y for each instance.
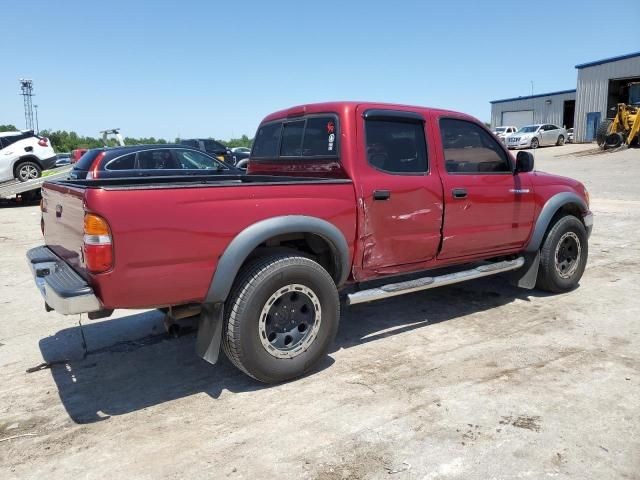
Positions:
(37, 125)
(26, 86)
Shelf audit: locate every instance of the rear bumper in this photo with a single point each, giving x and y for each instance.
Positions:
(49, 163)
(62, 288)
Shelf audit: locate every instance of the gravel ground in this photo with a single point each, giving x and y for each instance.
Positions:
(473, 381)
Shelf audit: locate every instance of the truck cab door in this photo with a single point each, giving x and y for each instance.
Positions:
(400, 195)
(488, 209)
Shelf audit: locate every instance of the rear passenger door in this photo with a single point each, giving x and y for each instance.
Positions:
(401, 210)
(487, 207)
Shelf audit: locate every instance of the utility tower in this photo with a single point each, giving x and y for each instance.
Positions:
(26, 86)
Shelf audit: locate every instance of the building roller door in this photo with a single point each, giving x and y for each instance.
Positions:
(517, 119)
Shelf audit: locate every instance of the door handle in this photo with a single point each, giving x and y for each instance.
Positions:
(459, 193)
(381, 195)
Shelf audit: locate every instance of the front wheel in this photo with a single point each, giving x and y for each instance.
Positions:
(563, 256)
(535, 143)
(281, 317)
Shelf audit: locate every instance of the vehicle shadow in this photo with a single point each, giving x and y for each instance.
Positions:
(130, 363)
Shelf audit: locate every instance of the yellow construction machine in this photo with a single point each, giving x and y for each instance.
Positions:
(624, 129)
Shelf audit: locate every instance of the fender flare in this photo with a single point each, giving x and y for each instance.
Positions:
(550, 208)
(251, 237)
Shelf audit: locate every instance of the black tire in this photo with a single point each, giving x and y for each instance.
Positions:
(535, 143)
(245, 340)
(28, 170)
(567, 238)
(614, 140)
(602, 132)
(560, 141)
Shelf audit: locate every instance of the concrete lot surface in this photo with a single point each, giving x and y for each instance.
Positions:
(473, 381)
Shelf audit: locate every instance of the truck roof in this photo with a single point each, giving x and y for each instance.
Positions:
(344, 106)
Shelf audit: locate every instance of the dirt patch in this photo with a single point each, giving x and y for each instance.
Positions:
(526, 422)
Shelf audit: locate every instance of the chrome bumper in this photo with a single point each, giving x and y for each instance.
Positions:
(62, 288)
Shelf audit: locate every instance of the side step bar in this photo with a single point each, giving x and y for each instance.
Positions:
(410, 286)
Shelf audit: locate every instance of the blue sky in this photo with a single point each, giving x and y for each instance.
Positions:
(204, 68)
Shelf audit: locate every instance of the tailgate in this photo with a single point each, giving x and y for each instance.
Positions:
(63, 215)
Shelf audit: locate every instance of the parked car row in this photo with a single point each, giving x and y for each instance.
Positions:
(533, 136)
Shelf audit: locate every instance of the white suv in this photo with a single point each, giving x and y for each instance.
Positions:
(24, 155)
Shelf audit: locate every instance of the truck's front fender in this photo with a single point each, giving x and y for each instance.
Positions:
(551, 207)
(251, 237)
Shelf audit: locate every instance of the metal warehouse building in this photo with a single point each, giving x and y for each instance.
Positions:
(555, 107)
(601, 86)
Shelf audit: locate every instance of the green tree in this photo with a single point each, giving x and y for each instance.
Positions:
(8, 128)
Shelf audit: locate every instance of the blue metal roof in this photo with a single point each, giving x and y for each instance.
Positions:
(533, 96)
(608, 60)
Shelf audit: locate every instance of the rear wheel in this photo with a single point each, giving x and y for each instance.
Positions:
(560, 141)
(603, 132)
(27, 171)
(563, 256)
(535, 143)
(281, 317)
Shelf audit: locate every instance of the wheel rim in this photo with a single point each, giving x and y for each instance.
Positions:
(290, 321)
(561, 140)
(28, 172)
(568, 253)
(534, 143)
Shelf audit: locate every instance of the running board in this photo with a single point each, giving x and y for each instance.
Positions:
(410, 286)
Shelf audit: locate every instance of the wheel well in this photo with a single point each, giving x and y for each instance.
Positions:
(22, 160)
(309, 245)
(572, 209)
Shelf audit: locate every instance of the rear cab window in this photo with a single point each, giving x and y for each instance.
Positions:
(310, 137)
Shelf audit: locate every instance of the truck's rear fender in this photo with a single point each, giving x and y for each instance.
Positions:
(259, 234)
(569, 202)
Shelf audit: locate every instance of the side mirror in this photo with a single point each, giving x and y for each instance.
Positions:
(524, 162)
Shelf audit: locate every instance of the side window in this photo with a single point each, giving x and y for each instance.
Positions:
(6, 141)
(470, 149)
(396, 146)
(126, 162)
(292, 139)
(191, 159)
(157, 160)
(265, 144)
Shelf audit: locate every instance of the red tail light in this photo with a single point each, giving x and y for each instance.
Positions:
(43, 142)
(93, 171)
(98, 246)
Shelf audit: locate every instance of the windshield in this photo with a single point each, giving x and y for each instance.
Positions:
(499, 129)
(529, 129)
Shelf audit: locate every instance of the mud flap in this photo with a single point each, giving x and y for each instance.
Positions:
(210, 332)
(526, 276)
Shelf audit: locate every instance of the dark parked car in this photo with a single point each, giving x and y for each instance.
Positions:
(63, 159)
(211, 147)
(147, 161)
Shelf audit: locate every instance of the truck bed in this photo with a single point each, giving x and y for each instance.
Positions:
(169, 232)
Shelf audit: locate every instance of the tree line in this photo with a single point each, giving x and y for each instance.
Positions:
(65, 141)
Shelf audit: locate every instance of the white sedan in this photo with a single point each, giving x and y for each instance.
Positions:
(534, 136)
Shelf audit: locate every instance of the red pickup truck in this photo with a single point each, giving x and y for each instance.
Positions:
(337, 195)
